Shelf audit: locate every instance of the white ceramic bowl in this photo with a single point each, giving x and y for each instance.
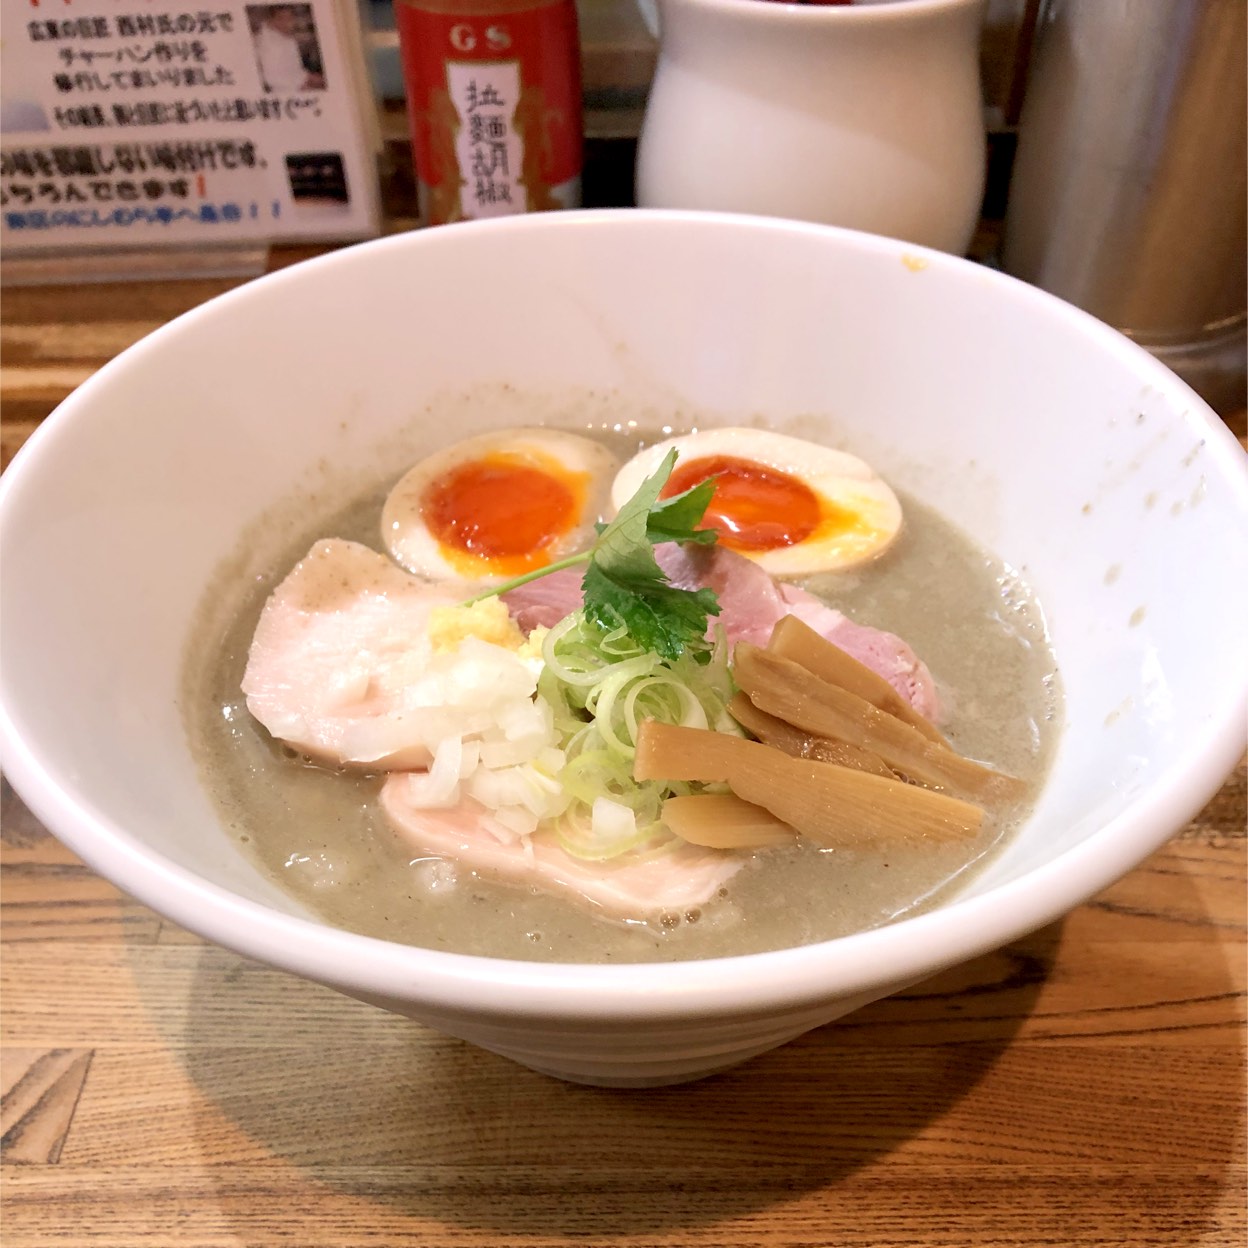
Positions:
(1052, 439)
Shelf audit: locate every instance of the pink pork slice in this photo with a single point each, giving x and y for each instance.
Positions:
(884, 653)
(330, 651)
(673, 882)
(544, 602)
(749, 600)
(750, 603)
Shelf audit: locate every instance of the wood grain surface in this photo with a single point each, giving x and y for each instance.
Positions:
(1083, 1086)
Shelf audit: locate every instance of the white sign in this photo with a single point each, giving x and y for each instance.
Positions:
(137, 123)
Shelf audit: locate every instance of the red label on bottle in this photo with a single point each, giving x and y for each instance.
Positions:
(494, 103)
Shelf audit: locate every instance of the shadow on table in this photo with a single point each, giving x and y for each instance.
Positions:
(428, 1131)
(383, 1109)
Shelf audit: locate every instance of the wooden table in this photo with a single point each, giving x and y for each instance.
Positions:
(1084, 1086)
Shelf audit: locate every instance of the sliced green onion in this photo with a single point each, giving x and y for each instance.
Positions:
(601, 685)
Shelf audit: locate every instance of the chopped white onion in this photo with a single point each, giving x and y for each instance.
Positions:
(611, 821)
(438, 788)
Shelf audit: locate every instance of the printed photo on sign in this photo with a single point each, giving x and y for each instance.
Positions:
(135, 125)
(318, 181)
(288, 53)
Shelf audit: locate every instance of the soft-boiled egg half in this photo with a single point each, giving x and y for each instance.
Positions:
(498, 505)
(792, 506)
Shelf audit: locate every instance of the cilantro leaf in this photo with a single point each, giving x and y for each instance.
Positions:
(674, 519)
(623, 583)
(658, 616)
(624, 540)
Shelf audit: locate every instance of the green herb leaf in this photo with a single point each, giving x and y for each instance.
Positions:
(675, 519)
(658, 616)
(623, 583)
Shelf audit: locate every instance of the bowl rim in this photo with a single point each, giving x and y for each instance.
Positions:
(461, 984)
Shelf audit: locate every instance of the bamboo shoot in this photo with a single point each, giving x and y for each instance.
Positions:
(723, 821)
(795, 640)
(775, 732)
(788, 691)
(831, 805)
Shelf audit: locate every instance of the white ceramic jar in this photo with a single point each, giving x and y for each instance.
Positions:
(868, 116)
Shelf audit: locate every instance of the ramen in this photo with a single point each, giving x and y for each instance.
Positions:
(362, 820)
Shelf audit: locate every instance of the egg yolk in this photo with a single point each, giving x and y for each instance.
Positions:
(754, 507)
(502, 511)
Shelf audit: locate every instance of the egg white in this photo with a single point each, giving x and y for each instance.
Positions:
(407, 536)
(837, 478)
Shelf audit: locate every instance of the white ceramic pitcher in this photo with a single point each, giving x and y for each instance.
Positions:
(866, 115)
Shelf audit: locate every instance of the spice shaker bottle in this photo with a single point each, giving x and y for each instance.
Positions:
(494, 105)
(1128, 191)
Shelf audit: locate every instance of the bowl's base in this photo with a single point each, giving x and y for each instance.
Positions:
(636, 1054)
(595, 1080)
(652, 1071)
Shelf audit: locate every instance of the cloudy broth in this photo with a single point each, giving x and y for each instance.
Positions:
(321, 835)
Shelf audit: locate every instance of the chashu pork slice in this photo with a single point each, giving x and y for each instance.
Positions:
(544, 602)
(884, 653)
(340, 661)
(751, 603)
(627, 888)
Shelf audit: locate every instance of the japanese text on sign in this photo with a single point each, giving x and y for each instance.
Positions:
(236, 118)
